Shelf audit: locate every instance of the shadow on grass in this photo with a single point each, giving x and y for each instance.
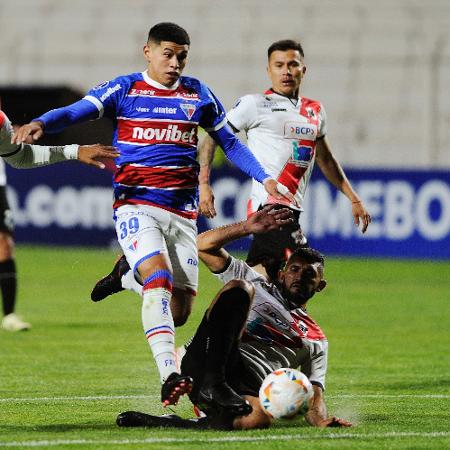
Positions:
(57, 428)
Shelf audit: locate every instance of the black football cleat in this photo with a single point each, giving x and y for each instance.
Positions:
(111, 283)
(174, 387)
(221, 399)
(139, 419)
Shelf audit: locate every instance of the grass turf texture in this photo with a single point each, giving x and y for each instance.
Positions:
(63, 383)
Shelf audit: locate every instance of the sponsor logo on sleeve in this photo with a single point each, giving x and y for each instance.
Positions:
(110, 91)
(100, 86)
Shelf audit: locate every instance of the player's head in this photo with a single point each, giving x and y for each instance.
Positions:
(302, 276)
(166, 52)
(286, 66)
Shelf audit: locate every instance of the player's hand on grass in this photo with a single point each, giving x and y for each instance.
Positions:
(360, 215)
(93, 154)
(206, 201)
(270, 218)
(32, 130)
(279, 191)
(334, 422)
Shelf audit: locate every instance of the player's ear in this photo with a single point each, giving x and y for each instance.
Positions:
(147, 52)
(321, 286)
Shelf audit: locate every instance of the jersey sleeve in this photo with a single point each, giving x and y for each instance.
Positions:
(240, 270)
(213, 117)
(322, 131)
(243, 114)
(107, 96)
(316, 367)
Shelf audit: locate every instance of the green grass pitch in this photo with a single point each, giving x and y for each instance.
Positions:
(63, 383)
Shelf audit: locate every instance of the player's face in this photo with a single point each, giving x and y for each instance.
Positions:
(166, 61)
(301, 280)
(286, 70)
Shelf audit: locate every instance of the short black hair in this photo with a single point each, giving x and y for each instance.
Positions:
(284, 45)
(307, 254)
(168, 31)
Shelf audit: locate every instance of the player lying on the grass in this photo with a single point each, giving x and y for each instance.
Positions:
(27, 156)
(251, 328)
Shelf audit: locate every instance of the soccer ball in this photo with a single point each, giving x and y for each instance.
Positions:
(285, 393)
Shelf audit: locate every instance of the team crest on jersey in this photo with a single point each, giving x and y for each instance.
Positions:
(188, 109)
(133, 246)
(310, 112)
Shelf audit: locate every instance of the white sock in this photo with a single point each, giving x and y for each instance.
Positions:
(129, 282)
(159, 329)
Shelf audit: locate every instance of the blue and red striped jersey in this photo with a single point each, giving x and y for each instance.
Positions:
(155, 129)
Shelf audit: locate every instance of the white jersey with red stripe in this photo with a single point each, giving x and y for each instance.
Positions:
(275, 335)
(155, 129)
(27, 156)
(282, 134)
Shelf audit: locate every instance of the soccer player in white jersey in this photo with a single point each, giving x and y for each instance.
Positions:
(156, 115)
(287, 133)
(25, 156)
(251, 328)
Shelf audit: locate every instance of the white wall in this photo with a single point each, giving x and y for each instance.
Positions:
(382, 69)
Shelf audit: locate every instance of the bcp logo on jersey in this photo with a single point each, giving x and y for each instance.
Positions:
(300, 130)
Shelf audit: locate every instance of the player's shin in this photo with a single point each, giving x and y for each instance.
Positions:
(158, 322)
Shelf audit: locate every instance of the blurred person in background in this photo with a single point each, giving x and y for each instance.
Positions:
(156, 114)
(287, 133)
(25, 156)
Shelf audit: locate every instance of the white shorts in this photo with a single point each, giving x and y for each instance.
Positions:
(145, 231)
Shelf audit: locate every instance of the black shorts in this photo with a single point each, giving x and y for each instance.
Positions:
(272, 249)
(237, 375)
(6, 218)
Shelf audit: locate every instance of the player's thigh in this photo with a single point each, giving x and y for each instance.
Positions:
(183, 254)
(140, 233)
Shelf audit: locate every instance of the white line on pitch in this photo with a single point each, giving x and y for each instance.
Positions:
(154, 397)
(389, 396)
(236, 438)
(75, 398)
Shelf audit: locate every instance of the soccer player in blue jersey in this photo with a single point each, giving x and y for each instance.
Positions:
(156, 115)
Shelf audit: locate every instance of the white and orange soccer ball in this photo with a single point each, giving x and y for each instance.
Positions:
(285, 393)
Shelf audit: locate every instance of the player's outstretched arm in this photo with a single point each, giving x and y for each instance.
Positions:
(93, 154)
(240, 155)
(56, 120)
(210, 243)
(317, 414)
(334, 173)
(206, 150)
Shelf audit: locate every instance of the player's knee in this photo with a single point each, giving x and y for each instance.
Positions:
(6, 246)
(244, 285)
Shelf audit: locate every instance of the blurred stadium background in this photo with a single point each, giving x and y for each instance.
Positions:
(381, 69)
